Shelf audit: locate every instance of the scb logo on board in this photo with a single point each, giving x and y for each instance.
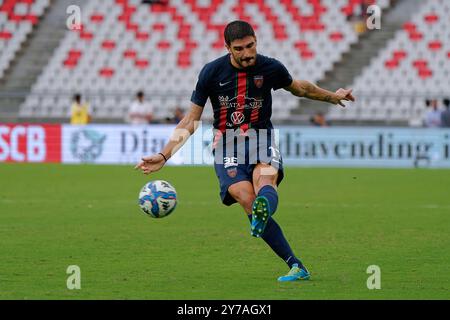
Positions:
(30, 143)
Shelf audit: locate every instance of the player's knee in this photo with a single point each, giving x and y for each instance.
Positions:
(266, 170)
(264, 181)
(265, 175)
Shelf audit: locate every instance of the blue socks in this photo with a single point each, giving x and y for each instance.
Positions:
(273, 235)
(271, 194)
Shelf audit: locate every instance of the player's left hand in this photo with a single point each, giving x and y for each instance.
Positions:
(343, 95)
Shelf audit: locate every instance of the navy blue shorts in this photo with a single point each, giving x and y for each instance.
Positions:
(238, 166)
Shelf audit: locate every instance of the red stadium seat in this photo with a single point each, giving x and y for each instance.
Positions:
(177, 18)
(409, 27)
(5, 35)
(97, 18)
(301, 45)
(399, 54)
(130, 54)
(32, 18)
(435, 45)
(106, 72)
(218, 45)
(164, 45)
(86, 35)
(336, 36)
(132, 26)
(15, 18)
(108, 45)
(391, 64)
(190, 45)
(431, 18)
(142, 36)
(425, 73)
(159, 27)
(307, 54)
(141, 63)
(183, 62)
(416, 36)
(420, 63)
(70, 64)
(75, 53)
(73, 56)
(347, 10)
(184, 33)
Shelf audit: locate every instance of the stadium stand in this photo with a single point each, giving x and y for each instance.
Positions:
(414, 66)
(124, 46)
(17, 18)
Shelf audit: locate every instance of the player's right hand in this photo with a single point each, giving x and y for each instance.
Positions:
(342, 95)
(151, 163)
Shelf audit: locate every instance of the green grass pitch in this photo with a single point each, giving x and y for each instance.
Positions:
(339, 221)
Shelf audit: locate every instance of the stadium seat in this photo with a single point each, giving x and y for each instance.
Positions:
(129, 46)
(17, 19)
(414, 64)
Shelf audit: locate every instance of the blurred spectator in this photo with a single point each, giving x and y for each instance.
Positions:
(433, 115)
(79, 112)
(178, 114)
(319, 120)
(445, 115)
(140, 111)
(360, 16)
(164, 2)
(359, 27)
(365, 4)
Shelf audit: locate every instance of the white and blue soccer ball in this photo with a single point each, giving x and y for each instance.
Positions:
(158, 199)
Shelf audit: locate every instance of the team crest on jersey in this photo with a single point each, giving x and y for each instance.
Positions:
(258, 80)
(232, 172)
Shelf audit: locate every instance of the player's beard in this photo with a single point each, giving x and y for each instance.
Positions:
(245, 63)
(248, 62)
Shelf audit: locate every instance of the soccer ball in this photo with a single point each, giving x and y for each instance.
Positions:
(158, 199)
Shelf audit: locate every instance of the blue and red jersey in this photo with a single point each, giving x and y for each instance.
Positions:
(241, 98)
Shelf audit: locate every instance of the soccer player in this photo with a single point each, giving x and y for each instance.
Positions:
(239, 86)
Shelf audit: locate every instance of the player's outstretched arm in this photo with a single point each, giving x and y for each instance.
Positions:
(303, 88)
(185, 128)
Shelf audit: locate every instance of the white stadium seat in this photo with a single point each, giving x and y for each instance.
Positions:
(17, 19)
(125, 46)
(416, 63)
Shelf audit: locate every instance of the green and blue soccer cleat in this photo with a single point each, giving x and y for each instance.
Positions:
(295, 274)
(260, 216)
